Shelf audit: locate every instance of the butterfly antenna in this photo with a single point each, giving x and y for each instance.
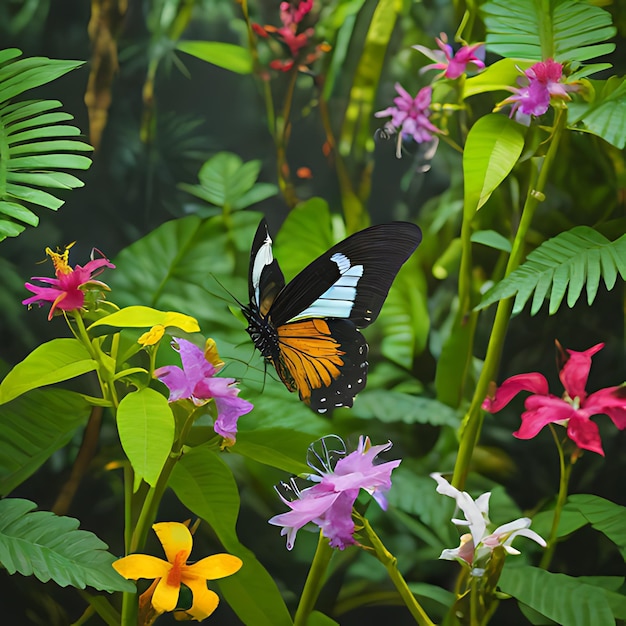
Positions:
(230, 293)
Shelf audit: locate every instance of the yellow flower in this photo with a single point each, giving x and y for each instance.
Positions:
(177, 542)
(154, 335)
(212, 355)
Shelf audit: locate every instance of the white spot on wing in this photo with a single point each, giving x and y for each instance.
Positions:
(263, 258)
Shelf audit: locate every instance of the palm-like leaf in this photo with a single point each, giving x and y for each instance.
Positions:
(569, 261)
(52, 548)
(35, 143)
(565, 30)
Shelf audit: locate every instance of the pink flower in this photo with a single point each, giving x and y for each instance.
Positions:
(67, 290)
(454, 65)
(540, 82)
(328, 504)
(411, 115)
(291, 36)
(574, 410)
(197, 381)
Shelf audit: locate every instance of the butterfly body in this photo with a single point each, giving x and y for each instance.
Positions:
(308, 328)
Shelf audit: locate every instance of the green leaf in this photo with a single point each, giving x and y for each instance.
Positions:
(146, 426)
(32, 428)
(191, 254)
(19, 212)
(225, 179)
(605, 115)
(561, 598)
(605, 516)
(569, 261)
(564, 30)
(227, 55)
(356, 137)
(282, 448)
(51, 362)
(145, 317)
(404, 317)
(501, 76)
(319, 619)
(205, 485)
(493, 146)
(305, 234)
(394, 406)
(492, 239)
(52, 548)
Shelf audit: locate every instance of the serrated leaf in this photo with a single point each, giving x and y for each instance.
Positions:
(227, 55)
(564, 30)
(145, 423)
(49, 363)
(561, 598)
(493, 146)
(32, 428)
(53, 548)
(205, 485)
(563, 261)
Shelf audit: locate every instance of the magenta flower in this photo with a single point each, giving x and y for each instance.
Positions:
(197, 381)
(574, 410)
(328, 504)
(410, 116)
(540, 82)
(453, 65)
(67, 290)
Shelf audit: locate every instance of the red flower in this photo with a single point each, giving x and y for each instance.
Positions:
(574, 410)
(67, 290)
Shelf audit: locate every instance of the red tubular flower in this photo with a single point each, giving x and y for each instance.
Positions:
(67, 290)
(574, 410)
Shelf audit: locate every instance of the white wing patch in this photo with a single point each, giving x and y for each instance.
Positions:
(263, 258)
(338, 300)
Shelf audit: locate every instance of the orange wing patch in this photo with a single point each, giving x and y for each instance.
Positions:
(310, 356)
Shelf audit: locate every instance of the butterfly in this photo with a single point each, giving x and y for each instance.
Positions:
(308, 329)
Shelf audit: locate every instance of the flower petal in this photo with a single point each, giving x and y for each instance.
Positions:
(135, 566)
(542, 411)
(610, 401)
(175, 380)
(174, 537)
(205, 601)
(585, 434)
(213, 567)
(534, 382)
(165, 596)
(575, 372)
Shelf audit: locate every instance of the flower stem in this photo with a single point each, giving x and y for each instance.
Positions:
(314, 581)
(566, 471)
(391, 565)
(474, 418)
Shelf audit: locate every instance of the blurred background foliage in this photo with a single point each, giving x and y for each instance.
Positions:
(180, 139)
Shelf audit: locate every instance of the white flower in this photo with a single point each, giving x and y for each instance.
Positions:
(477, 545)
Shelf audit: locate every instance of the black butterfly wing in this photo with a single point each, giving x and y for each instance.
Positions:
(351, 280)
(265, 278)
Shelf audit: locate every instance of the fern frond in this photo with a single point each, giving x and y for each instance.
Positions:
(569, 30)
(570, 261)
(52, 548)
(35, 144)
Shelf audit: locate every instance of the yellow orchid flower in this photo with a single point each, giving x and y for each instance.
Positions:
(177, 543)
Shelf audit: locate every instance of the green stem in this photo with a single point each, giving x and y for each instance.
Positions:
(391, 565)
(474, 417)
(314, 581)
(565, 471)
